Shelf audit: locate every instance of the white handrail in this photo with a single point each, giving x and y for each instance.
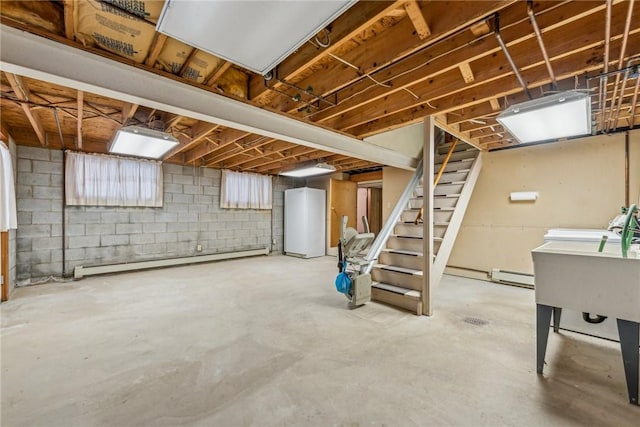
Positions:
(386, 230)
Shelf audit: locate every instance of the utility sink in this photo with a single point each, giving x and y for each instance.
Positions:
(576, 276)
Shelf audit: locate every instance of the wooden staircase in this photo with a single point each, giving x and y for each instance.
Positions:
(398, 277)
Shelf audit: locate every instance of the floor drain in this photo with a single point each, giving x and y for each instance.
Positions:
(475, 321)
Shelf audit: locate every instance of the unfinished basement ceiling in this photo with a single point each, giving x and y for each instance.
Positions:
(379, 66)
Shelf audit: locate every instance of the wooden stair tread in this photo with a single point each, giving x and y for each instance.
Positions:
(403, 252)
(411, 293)
(406, 237)
(397, 269)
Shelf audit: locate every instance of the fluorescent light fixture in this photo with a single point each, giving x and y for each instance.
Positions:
(142, 142)
(311, 170)
(256, 35)
(555, 116)
(523, 196)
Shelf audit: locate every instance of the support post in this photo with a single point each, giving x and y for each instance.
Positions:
(428, 154)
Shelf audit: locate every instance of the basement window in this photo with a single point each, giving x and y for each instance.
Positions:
(102, 180)
(245, 191)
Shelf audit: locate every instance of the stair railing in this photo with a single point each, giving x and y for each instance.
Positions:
(439, 175)
(387, 228)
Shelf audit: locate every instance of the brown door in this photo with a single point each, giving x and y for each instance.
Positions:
(375, 210)
(343, 197)
(4, 264)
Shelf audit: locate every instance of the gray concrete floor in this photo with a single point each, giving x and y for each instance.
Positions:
(268, 341)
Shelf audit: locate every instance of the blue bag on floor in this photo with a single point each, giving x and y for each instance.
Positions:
(343, 283)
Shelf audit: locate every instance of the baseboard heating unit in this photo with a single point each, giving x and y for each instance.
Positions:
(81, 271)
(512, 278)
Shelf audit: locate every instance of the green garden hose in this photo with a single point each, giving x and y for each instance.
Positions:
(630, 226)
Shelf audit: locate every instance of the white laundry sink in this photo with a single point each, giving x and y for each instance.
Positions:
(575, 275)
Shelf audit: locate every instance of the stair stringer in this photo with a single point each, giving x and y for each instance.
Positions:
(449, 238)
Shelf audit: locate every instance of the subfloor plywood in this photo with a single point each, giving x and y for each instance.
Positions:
(268, 341)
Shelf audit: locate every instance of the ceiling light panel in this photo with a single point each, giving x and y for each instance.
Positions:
(256, 35)
(313, 170)
(560, 115)
(142, 142)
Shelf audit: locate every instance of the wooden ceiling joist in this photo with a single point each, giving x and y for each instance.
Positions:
(69, 11)
(504, 86)
(217, 73)
(187, 62)
(337, 75)
(157, 44)
(128, 111)
(226, 154)
(21, 91)
(417, 19)
(198, 132)
(343, 30)
(227, 137)
(414, 70)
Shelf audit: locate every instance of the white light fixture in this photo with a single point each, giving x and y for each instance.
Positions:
(256, 35)
(555, 116)
(523, 196)
(142, 142)
(311, 170)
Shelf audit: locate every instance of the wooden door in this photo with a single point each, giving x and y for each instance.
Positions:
(4, 264)
(374, 214)
(343, 196)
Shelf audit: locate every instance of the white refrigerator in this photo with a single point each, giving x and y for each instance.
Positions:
(304, 222)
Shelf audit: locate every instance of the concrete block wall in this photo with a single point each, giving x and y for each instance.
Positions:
(190, 216)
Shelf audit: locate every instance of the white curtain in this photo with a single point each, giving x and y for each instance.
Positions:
(245, 191)
(8, 216)
(101, 180)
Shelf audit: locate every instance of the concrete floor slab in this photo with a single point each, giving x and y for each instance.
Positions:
(268, 341)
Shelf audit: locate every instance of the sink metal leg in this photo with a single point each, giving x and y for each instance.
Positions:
(557, 312)
(543, 321)
(629, 341)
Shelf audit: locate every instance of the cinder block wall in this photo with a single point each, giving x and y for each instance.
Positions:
(191, 216)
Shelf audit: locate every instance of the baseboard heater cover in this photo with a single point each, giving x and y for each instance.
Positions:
(512, 277)
(80, 271)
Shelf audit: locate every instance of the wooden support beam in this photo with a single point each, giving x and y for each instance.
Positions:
(79, 119)
(128, 111)
(217, 73)
(467, 72)
(69, 11)
(428, 156)
(417, 19)
(367, 176)
(187, 62)
(22, 92)
(495, 104)
(157, 44)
